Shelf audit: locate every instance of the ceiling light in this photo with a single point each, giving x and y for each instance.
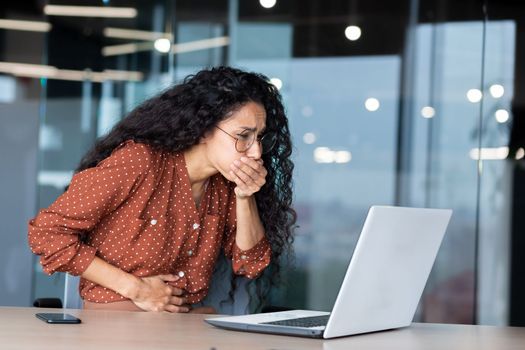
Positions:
(190, 46)
(309, 138)
(474, 95)
(278, 83)
(502, 116)
(50, 72)
(428, 112)
(132, 34)
(353, 33)
(372, 104)
(162, 45)
(267, 3)
(497, 90)
(497, 153)
(30, 26)
(201, 44)
(90, 11)
(124, 49)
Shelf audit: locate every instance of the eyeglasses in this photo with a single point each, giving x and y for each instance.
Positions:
(246, 139)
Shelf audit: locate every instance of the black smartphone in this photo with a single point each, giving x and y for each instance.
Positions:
(58, 318)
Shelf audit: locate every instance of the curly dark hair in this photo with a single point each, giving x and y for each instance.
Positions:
(177, 118)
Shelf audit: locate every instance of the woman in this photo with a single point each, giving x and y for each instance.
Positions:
(202, 167)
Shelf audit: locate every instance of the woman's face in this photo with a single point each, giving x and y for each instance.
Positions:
(245, 123)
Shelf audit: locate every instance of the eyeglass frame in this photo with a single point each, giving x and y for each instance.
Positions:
(259, 140)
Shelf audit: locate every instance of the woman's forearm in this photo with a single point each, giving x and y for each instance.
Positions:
(109, 276)
(249, 227)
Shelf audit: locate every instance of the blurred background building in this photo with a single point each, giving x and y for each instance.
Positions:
(408, 102)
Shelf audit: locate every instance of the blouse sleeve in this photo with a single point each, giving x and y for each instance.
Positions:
(251, 262)
(55, 233)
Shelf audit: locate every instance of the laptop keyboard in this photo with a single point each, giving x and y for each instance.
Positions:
(306, 322)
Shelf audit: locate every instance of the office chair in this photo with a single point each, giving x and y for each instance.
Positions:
(71, 297)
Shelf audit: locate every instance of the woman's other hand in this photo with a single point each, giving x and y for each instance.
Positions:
(156, 294)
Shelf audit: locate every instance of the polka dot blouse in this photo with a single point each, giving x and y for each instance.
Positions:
(136, 211)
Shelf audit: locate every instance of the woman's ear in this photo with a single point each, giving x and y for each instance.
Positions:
(206, 137)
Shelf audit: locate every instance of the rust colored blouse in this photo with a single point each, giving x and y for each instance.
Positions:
(135, 210)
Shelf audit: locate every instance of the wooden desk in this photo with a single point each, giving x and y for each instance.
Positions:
(20, 329)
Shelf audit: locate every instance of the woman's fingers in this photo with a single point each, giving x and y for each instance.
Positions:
(242, 175)
(251, 167)
(250, 171)
(241, 185)
(246, 182)
(175, 308)
(169, 278)
(178, 301)
(255, 164)
(176, 291)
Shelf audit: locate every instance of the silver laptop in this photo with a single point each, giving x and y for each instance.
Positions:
(383, 283)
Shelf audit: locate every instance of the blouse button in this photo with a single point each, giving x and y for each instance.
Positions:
(190, 252)
(181, 274)
(153, 222)
(196, 226)
(243, 257)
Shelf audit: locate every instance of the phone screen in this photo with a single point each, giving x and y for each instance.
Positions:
(57, 318)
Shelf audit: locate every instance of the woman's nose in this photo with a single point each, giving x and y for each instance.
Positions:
(255, 150)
